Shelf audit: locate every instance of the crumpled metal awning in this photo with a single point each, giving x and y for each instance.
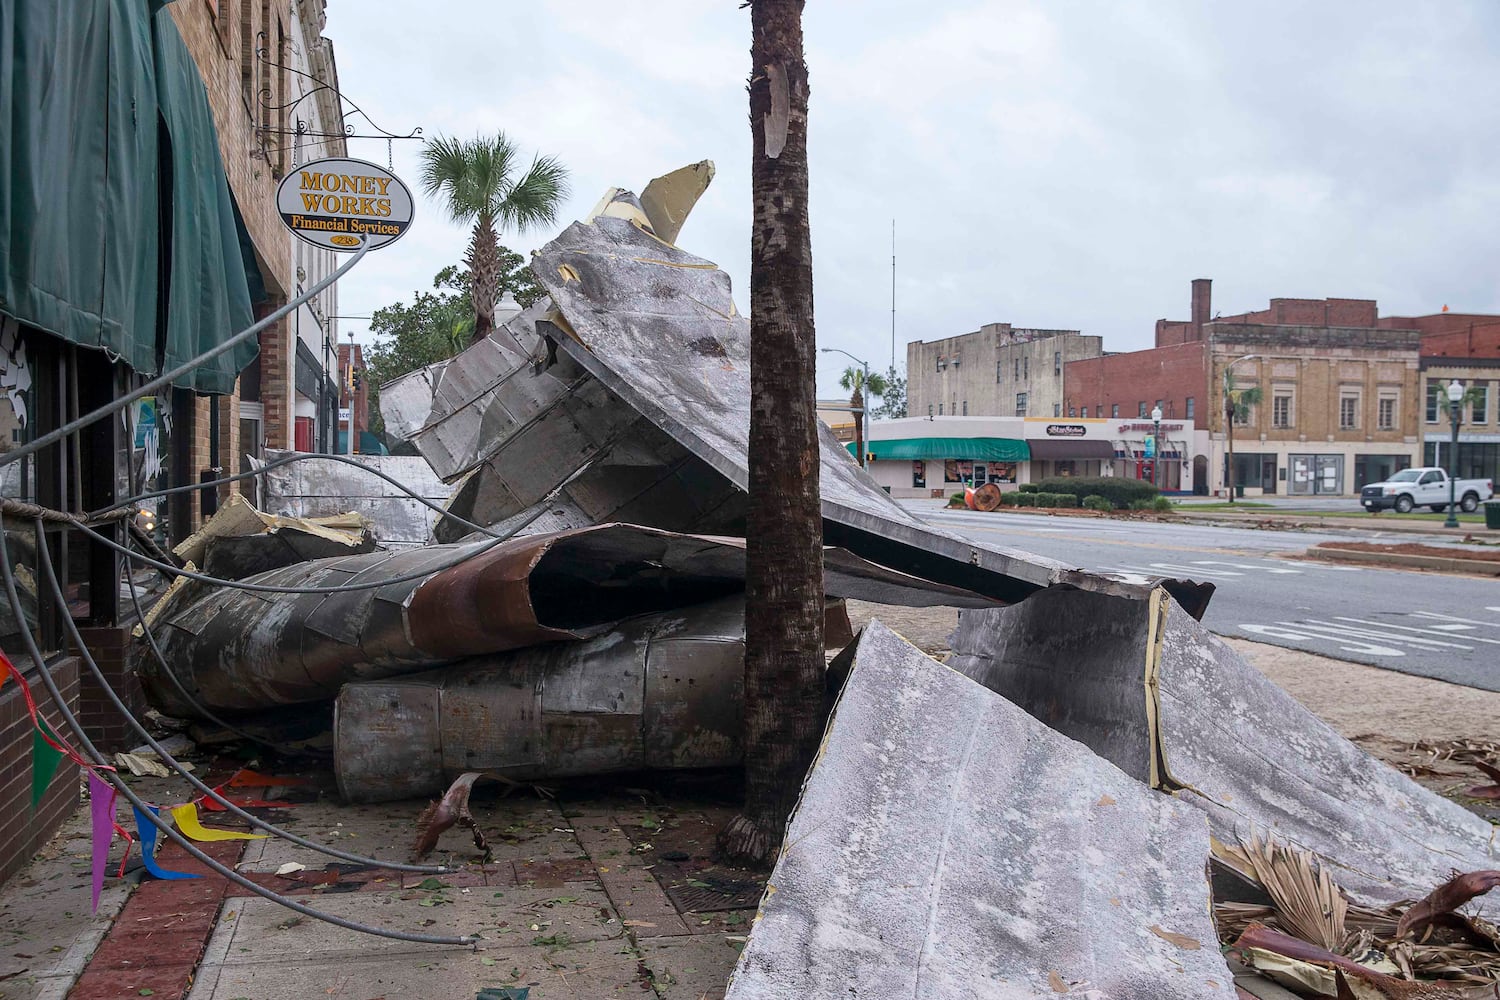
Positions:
(239, 650)
(949, 846)
(1169, 703)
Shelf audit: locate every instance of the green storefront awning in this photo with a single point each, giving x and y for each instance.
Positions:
(108, 136)
(978, 449)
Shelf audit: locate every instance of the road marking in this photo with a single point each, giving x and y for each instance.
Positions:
(1264, 569)
(1461, 622)
(1367, 633)
(1444, 630)
(1294, 635)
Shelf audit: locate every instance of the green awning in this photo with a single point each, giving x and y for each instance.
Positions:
(979, 449)
(106, 113)
(208, 298)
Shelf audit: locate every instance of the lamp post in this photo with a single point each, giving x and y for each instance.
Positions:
(1455, 414)
(1155, 444)
(1229, 409)
(860, 411)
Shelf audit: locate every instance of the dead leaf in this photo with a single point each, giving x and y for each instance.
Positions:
(1445, 899)
(1180, 940)
(1056, 982)
(1105, 800)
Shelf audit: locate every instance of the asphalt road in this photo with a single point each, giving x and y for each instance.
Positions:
(1429, 624)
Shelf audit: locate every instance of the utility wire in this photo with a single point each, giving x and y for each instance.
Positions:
(123, 788)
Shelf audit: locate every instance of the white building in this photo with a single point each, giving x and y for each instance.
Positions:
(935, 456)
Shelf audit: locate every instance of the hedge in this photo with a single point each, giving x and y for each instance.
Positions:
(1046, 499)
(1095, 502)
(1030, 488)
(1119, 491)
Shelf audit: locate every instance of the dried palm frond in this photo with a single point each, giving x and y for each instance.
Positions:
(1308, 903)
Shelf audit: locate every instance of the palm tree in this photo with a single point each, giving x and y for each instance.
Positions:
(1237, 403)
(784, 665)
(853, 379)
(477, 179)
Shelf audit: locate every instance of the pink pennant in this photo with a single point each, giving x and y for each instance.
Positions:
(102, 815)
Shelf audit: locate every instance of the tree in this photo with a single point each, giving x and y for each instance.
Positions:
(784, 666)
(436, 326)
(853, 379)
(893, 400)
(1237, 403)
(476, 179)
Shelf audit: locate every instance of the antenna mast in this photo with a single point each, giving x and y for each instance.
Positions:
(893, 295)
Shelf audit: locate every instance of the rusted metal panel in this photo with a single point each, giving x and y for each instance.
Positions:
(239, 651)
(657, 691)
(1154, 692)
(948, 846)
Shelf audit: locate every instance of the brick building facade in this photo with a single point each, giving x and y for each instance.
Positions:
(1340, 391)
(996, 371)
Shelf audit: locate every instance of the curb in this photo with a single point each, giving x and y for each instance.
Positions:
(1479, 567)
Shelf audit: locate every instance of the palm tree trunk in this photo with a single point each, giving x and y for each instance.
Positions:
(483, 260)
(784, 666)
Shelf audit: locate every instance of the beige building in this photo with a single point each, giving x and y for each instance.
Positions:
(996, 371)
(1338, 405)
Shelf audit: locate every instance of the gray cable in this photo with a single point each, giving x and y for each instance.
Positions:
(166, 378)
(114, 779)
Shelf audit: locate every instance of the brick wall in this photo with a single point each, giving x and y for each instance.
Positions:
(23, 830)
(1470, 335)
(1171, 374)
(106, 727)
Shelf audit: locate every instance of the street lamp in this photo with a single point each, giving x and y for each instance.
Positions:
(1229, 420)
(1455, 414)
(1155, 444)
(859, 412)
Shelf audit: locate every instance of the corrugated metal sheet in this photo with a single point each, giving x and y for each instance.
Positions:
(948, 846)
(321, 488)
(1158, 695)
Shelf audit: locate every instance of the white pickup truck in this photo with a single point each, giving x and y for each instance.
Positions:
(1424, 487)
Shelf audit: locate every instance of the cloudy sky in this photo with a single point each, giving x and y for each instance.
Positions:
(1057, 163)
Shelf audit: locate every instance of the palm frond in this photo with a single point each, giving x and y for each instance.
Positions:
(534, 198)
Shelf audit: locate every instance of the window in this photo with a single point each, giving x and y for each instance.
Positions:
(1190, 407)
(1348, 411)
(1026, 367)
(999, 370)
(1018, 367)
(1057, 362)
(1142, 412)
(942, 362)
(966, 407)
(1385, 411)
(1057, 409)
(1021, 404)
(1480, 413)
(1281, 410)
(940, 409)
(1114, 410)
(1072, 412)
(1435, 401)
(958, 359)
(1085, 412)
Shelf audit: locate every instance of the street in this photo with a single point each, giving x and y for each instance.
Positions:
(1429, 624)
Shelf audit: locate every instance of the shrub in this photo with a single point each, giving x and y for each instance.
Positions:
(1008, 499)
(1143, 505)
(1045, 499)
(1163, 505)
(1118, 490)
(1030, 488)
(1095, 502)
(1026, 499)
(1066, 500)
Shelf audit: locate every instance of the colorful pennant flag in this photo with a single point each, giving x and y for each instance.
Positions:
(102, 820)
(187, 821)
(147, 831)
(44, 760)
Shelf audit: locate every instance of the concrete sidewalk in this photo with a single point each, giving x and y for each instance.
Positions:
(608, 890)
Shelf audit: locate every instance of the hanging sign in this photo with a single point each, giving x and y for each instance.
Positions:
(332, 203)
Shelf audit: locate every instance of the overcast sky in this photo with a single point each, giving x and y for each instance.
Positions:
(1053, 163)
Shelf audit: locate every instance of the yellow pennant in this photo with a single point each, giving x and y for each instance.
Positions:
(187, 821)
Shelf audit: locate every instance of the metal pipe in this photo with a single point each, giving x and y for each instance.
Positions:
(166, 829)
(166, 378)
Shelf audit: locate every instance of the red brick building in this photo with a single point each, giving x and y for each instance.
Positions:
(1340, 391)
